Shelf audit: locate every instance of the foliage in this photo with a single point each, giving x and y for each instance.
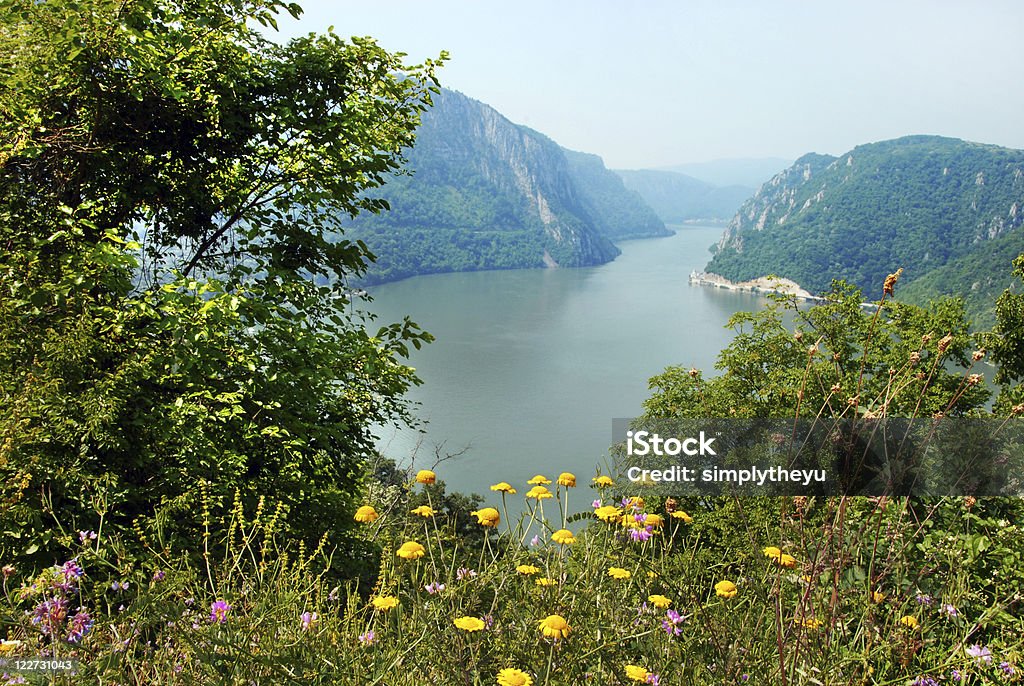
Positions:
(170, 187)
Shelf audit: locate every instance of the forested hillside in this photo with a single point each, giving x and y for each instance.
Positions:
(947, 211)
(678, 198)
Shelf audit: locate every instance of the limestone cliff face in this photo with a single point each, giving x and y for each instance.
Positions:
(484, 193)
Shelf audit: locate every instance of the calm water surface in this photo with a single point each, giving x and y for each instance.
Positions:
(530, 367)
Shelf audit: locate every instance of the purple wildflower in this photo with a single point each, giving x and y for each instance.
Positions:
(308, 620)
(924, 599)
(79, 626)
(368, 638)
(980, 653)
(641, 534)
(85, 536)
(1007, 668)
(434, 587)
(50, 615)
(8, 571)
(596, 504)
(488, 620)
(745, 677)
(464, 573)
(653, 679)
(671, 623)
(535, 541)
(949, 610)
(119, 586)
(955, 675)
(219, 612)
(925, 681)
(159, 575)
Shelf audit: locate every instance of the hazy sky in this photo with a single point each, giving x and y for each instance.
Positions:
(656, 83)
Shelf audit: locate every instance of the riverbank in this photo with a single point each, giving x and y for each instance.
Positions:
(764, 284)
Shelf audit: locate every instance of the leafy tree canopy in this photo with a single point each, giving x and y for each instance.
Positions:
(174, 312)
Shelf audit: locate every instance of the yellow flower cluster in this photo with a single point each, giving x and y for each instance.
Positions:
(366, 514)
(424, 511)
(555, 626)
(469, 623)
(425, 476)
(563, 537)
(780, 558)
(637, 673)
(725, 589)
(487, 517)
(410, 550)
(514, 677)
(619, 573)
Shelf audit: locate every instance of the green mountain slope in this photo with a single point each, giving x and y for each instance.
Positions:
(485, 193)
(678, 198)
(948, 212)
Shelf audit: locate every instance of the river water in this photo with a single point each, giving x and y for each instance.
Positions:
(530, 366)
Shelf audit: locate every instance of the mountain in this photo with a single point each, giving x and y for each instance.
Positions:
(749, 172)
(679, 198)
(947, 211)
(484, 193)
(617, 211)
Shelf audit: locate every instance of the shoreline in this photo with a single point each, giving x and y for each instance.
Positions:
(763, 284)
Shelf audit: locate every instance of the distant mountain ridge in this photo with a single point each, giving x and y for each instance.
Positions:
(750, 172)
(929, 204)
(485, 193)
(678, 198)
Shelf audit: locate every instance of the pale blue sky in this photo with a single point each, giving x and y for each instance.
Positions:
(648, 84)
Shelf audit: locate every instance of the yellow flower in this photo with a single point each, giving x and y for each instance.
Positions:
(787, 561)
(410, 550)
(527, 569)
(636, 502)
(812, 623)
(538, 492)
(602, 481)
(661, 602)
(544, 581)
(608, 513)
(563, 537)
(877, 597)
(366, 514)
(469, 623)
(514, 677)
(425, 476)
(9, 646)
(487, 517)
(679, 514)
(539, 480)
(909, 621)
(772, 552)
(504, 487)
(424, 511)
(567, 479)
(385, 602)
(637, 673)
(619, 573)
(555, 626)
(725, 589)
(654, 520)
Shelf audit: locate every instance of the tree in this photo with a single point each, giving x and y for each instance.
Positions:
(174, 316)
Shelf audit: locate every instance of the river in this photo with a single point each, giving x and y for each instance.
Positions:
(530, 366)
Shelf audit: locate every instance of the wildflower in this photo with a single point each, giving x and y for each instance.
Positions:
(655, 520)
(544, 581)
(955, 675)
(978, 355)
(660, 601)
(308, 620)
(725, 589)
(514, 677)
(563, 537)
(923, 599)
(219, 612)
(603, 481)
(425, 476)
(619, 573)
(812, 623)
(636, 673)
(423, 511)
(539, 493)
(567, 479)
(8, 646)
(924, 681)
(8, 571)
(366, 514)
(679, 514)
(641, 535)
(159, 575)
(469, 623)
(596, 504)
(672, 621)
(119, 586)
(949, 610)
(535, 541)
(653, 680)
(634, 502)
(909, 621)
(368, 638)
(487, 517)
(877, 596)
(79, 626)
(50, 615)
(772, 552)
(527, 570)
(463, 573)
(787, 561)
(1007, 668)
(434, 588)
(410, 550)
(555, 626)
(84, 536)
(890, 282)
(980, 653)
(539, 480)
(504, 487)
(384, 602)
(608, 513)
